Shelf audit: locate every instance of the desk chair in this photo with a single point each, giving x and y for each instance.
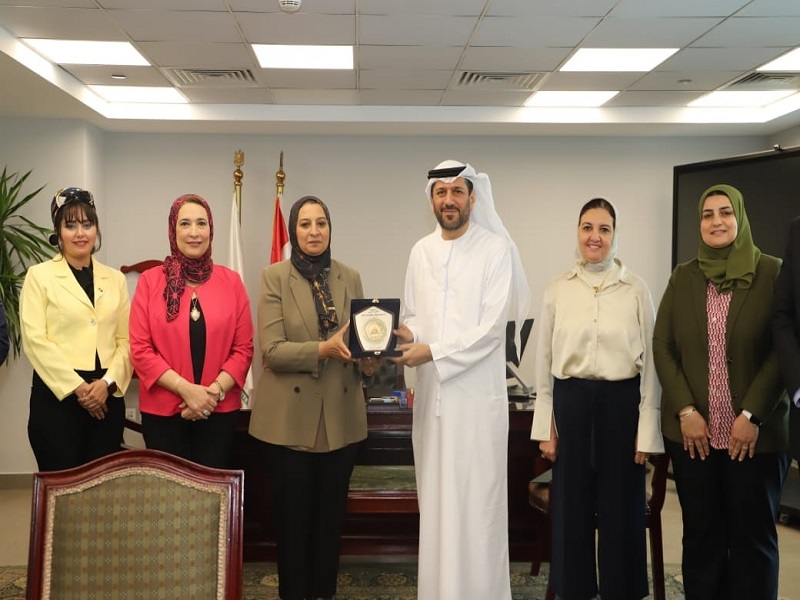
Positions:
(139, 523)
(539, 499)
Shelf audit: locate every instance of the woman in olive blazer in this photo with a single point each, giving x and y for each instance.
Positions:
(309, 405)
(724, 416)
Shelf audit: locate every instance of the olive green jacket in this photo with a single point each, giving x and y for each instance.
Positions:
(680, 350)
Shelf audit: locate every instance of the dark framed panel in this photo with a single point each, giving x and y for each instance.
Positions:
(769, 182)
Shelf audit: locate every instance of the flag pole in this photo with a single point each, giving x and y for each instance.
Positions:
(238, 161)
(280, 177)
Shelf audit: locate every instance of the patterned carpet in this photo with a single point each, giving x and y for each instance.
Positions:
(359, 581)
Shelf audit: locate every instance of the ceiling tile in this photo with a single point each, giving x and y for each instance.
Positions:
(723, 59)
(407, 57)
(214, 5)
(753, 32)
(59, 23)
(51, 3)
(321, 7)
(298, 29)
(572, 81)
(176, 26)
(664, 32)
(435, 31)
(101, 75)
(198, 55)
(315, 96)
(770, 8)
(677, 8)
(530, 31)
(573, 8)
(662, 98)
(309, 79)
(692, 80)
(395, 79)
(514, 59)
(471, 8)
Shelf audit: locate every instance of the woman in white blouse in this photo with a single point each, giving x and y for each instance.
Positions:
(597, 415)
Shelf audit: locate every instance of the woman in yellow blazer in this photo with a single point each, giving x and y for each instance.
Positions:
(74, 325)
(309, 406)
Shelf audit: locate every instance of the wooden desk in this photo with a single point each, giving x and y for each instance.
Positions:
(389, 443)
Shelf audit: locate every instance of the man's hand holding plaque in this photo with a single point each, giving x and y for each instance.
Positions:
(372, 322)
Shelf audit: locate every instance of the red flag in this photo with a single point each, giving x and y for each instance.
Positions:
(280, 236)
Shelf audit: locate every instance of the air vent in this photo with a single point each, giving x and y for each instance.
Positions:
(499, 80)
(767, 81)
(211, 77)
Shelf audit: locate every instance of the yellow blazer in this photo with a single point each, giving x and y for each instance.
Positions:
(61, 330)
(295, 387)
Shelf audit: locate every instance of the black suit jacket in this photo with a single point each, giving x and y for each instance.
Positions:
(786, 327)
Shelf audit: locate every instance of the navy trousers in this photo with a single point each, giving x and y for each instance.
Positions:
(596, 483)
(730, 542)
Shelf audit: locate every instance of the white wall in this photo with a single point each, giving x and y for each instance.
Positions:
(374, 188)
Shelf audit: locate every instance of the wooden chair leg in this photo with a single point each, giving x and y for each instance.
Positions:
(657, 559)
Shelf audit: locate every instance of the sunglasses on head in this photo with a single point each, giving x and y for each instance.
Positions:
(70, 195)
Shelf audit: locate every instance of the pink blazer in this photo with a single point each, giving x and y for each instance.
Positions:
(157, 346)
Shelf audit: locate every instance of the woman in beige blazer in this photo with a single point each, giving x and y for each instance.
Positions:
(74, 325)
(309, 405)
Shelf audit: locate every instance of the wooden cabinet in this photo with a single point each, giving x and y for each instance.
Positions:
(389, 443)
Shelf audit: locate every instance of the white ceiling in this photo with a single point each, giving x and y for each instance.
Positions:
(410, 56)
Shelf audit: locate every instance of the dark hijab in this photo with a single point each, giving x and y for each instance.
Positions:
(315, 269)
(178, 268)
(735, 264)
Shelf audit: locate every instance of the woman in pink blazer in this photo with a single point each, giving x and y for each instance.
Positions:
(191, 337)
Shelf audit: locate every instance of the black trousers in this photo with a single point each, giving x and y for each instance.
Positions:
(730, 542)
(597, 483)
(309, 494)
(64, 435)
(207, 442)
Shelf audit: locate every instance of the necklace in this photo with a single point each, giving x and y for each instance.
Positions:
(195, 311)
(597, 288)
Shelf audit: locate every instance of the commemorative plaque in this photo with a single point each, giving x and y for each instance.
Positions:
(371, 324)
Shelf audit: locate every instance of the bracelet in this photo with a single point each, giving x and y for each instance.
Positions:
(686, 413)
(222, 392)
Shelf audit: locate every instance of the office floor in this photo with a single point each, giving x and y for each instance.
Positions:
(15, 522)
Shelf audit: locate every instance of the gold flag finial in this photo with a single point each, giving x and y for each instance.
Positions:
(280, 177)
(238, 161)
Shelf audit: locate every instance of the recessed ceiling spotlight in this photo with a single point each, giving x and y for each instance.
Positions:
(290, 6)
(118, 76)
(684, 81)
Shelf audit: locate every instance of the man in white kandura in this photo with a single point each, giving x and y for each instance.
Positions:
(464, 282)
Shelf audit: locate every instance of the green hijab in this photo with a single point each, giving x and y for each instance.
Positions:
(735, 264)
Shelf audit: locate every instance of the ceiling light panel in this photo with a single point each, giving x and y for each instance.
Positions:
(279, 56)
(85, 52)
(618, 59)
(788, 62)
(570, 98)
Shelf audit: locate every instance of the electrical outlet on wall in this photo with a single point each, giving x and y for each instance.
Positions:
(131, 414)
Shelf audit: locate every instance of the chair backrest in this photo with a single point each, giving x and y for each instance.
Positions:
(139, 523)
